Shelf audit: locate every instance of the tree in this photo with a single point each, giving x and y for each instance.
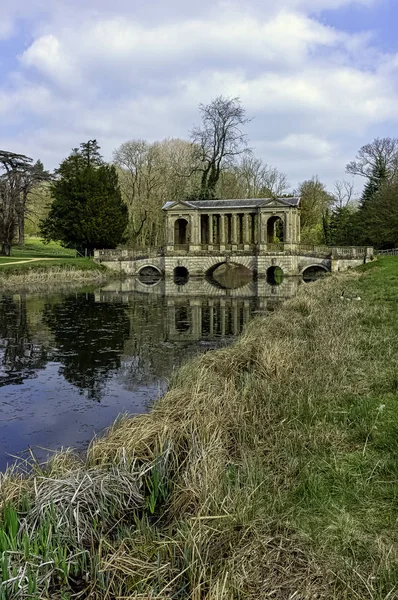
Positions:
(29, 179)
(18, 177)
(151, 174)
(87, 210)
(382, 215)
(343, 193)
(218, 141)
(344, 226)
(382, 151)
(12, 169)
(258, 179)
(315, 204)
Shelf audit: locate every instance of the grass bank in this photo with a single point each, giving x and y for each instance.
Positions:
(37, 264)
(269, 470)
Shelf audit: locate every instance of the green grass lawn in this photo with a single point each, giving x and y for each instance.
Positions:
(35, 249)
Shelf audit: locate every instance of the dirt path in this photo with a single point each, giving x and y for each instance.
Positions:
(25, 260)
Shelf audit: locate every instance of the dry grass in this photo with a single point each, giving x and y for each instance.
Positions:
(39, 278)
(269, 470)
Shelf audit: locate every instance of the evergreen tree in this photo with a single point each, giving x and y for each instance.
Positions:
(365, 216)
(87, 210)
(343, 228)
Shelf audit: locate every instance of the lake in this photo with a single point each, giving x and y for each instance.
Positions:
(72, 361)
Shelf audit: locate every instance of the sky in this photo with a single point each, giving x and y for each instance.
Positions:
(318, 77)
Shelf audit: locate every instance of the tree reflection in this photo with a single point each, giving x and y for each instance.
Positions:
(20, 355)
(90, 338)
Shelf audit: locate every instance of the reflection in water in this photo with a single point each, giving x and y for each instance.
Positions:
(70, 363)
(20, 355)
(231, 276)
(89, 338)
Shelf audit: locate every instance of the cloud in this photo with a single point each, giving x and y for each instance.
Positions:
(315, 92)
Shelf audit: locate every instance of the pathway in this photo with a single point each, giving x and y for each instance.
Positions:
(25, 260)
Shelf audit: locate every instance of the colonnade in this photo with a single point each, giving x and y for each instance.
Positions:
(235, 228)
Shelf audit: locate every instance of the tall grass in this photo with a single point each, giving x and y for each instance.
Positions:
(35, 275)
(269, 470)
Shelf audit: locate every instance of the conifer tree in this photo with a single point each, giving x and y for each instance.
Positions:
(87, 210)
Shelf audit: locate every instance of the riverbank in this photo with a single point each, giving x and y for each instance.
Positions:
(37, 265)
(42, 272)
(268, 470)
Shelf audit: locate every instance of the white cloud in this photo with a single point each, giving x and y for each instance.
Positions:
(314, 92)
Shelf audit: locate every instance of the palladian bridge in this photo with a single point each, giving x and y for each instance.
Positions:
(260, 234)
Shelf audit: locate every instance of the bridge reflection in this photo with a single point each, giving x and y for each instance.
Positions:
(199, 311)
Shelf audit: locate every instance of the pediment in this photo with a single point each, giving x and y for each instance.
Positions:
(274, 203)
(179, 205)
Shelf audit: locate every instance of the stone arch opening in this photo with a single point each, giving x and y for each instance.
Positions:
(180, 275)
(149, 270)
(181, 232)
(275, 230)
(149, 275)
(275, 275)
(314, 272)
(229, 275)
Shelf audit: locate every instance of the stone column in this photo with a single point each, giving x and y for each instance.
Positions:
(222, 230)
(298, 227)
(247, 229)
(210, 229)
(262, 223)
(234, 236)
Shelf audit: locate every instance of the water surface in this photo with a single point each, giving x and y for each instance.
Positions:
(70, 363)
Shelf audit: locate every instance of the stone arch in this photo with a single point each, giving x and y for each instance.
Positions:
(319, 266)
(210, 270)
(272, 227)
(149, 266)
(313, 269)
(181, 231)
(212, 262)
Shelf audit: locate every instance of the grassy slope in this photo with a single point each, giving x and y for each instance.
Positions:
(57, 262)
(269, 470)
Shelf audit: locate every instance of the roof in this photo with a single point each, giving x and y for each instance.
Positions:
(233, 203)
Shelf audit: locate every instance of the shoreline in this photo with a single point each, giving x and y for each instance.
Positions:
(38, 277)
(268, 465)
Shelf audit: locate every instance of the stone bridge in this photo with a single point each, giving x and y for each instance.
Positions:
(260, 234)
(293, 259)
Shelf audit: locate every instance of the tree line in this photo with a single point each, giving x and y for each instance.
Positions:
(87, 203)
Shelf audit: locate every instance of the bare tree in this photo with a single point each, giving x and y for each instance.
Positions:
(29, 179)
(218, 141)
(259, 179)
(18, 176)
(343, 193)
(315, 203)
(381, 152)
(12, 168)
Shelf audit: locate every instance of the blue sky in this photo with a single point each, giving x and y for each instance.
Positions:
(319, 77)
